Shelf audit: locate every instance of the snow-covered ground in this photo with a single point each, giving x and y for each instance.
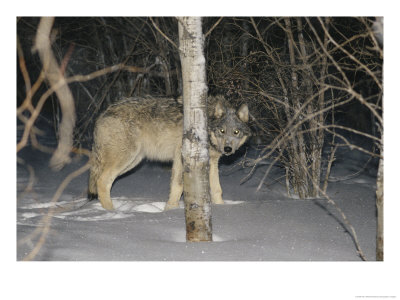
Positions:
(251, 226)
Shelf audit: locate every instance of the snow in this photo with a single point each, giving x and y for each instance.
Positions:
(262, 227)
(250, 226)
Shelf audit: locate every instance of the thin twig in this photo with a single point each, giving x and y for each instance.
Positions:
(213, 27)
(350, 176)
(344, 217)
(46, 220)
(328, 170)
(163, 34)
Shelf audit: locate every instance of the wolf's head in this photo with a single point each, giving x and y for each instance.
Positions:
(228, 127)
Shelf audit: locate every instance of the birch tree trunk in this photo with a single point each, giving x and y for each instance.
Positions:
(379, 208)
(195, 136)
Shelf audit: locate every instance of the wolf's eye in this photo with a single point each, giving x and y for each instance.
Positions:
(236, 131)
(222, 130)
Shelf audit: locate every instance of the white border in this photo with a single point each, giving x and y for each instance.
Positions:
(263, 280)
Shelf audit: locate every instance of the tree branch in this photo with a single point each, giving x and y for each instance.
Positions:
(55, 77)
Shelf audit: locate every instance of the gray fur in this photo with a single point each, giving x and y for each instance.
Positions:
(137, 128)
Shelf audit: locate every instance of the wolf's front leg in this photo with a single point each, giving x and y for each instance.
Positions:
(176, 188)
(215, 186)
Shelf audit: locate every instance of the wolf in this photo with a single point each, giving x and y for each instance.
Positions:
(151, 128)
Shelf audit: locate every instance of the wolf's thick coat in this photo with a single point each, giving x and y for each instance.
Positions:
(138, 128)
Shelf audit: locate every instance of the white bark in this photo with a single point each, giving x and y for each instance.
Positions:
(379, 208)
(195, 136)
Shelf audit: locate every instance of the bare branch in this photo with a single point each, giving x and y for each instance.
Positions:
(46, 220)
(351, 56)
(53, 74)
(163, 34)
(213, 27)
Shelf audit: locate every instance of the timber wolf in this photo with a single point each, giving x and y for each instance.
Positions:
(147, 127)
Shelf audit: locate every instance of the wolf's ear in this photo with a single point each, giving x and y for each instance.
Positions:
(243, 113)
(219, 110)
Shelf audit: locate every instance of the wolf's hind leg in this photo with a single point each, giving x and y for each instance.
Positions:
(110, 173)
(104, 184)
(92, 192)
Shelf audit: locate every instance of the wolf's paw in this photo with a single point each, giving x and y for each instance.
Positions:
(170, 206)
(217, 200)
(108, 205)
